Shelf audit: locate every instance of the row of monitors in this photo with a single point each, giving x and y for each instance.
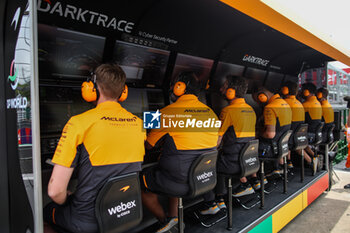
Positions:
(65, 53)
(68, 53)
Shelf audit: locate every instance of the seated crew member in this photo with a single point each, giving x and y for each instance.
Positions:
(277, 120)
(313, 116)
(238, 127)
(97, 147)
(289, 91)
(180, 147)
(327, 111)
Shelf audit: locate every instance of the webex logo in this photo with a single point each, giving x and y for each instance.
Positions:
(205, 176)
(122, 209)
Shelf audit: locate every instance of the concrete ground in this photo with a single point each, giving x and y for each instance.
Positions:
(330, 212)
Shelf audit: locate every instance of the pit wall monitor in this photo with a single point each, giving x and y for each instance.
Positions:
(66, 54)
(143, 66)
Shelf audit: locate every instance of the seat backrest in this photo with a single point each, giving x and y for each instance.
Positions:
(118, 204)
(202, 175)
(300, 137)
(283, 148)
(249, 158)
(329, 135)
(318, 134)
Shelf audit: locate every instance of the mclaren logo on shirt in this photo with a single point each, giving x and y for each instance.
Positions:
(133, 119)
(197, 110)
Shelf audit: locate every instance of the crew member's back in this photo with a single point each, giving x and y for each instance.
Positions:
(99, 144)
(313, 109)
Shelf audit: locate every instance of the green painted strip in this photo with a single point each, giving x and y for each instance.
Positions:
(263, 227)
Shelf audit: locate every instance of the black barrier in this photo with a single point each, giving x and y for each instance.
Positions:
(118, 204)
(4, 210)
(16, 20)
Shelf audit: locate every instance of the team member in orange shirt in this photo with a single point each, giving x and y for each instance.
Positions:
(277, 120)
(313, 117)
(327, 111)
(180, 147)
(98, 144)
(289, 91)
(238, 127)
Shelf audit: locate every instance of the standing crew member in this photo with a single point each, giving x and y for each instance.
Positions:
(277, 120)
(180, 147)
(289, 91)
(313, 116)
(98, 144)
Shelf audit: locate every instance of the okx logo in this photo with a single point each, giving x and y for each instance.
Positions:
(151, 120)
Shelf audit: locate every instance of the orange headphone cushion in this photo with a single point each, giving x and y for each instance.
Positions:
(285, 90)
(306, 92)
(124, 94)
(88, 91)
(230, 93)
(179, 88)
(262, 97)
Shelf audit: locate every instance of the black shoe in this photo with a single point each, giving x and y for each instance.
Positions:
(347, 186)
(256, 183)
(210, 210)
(242, 190)
(168, 224)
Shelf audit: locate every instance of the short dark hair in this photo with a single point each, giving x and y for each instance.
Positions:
(292, 87)
(324, 92)
(238, 83)
(192, 82)
(110, 79)
(309, 86)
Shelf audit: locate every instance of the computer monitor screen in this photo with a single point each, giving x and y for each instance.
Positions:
(222, 70)
(142, 65)
(274, 80)
(200, 66)
(66, 53)
(255, 77)
(57, 105)
(145, 99)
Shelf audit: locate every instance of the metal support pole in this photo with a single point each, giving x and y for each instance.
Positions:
(181, 216)
(285, 174)
(315, 155)
(302, 171)
(229, 198)
(326, 149)
(262, 202)
(35, 105)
